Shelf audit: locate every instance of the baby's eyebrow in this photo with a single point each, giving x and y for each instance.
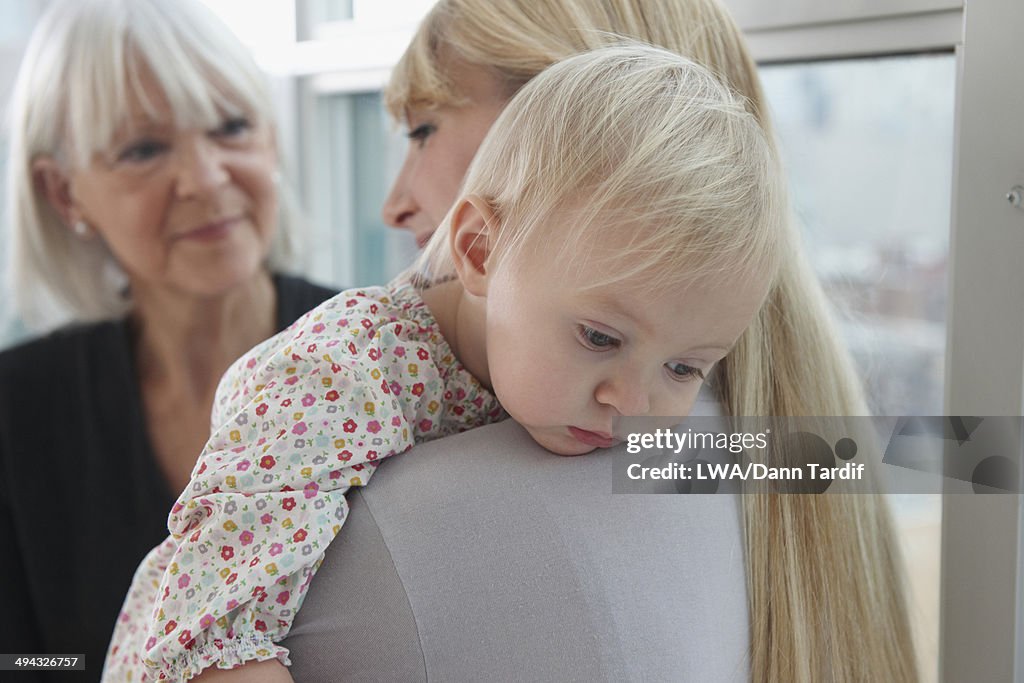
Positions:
(608, 302)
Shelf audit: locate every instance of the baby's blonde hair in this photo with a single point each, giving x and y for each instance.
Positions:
(634, 140)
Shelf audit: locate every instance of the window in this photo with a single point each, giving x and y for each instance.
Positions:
(868, 149)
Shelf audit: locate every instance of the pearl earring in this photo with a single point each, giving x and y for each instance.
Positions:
(81, 228)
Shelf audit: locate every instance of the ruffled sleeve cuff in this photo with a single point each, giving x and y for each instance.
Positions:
(218, 652)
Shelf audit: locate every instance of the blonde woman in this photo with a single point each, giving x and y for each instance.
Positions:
(143, 217)
(534, 280)
(822, 572)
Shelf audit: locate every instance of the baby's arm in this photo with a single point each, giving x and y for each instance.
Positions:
(317, 414)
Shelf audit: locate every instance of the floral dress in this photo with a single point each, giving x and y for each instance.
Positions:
(297, 421)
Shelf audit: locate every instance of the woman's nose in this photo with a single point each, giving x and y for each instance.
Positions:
(628, 396)
(201, 167)
(399, 206)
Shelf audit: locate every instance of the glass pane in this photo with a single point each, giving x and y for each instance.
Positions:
(356, 153)
(868, 149)
(321, 11)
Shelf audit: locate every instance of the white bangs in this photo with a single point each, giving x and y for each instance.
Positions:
(195, 74)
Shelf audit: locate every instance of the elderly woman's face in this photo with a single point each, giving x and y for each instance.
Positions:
(442, 142)
(185, 210)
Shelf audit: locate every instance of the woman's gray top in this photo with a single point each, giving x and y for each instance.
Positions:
(482, 557)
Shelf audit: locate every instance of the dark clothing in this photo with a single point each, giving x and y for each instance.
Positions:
(65, 565)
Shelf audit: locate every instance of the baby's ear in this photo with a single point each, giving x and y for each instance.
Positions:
(472, 236)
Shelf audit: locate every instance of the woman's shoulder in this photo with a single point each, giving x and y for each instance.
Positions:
(296, 295)
(54, 353)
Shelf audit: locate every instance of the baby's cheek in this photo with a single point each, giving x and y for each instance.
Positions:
(679, 405)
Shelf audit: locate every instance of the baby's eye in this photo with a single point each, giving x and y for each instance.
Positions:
(683, 372)
(421, 132)
(141, 151)
(596, 341)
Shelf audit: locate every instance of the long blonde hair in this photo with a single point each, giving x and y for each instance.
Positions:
(823, 572)
(83, 65)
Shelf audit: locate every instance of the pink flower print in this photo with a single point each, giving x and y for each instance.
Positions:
(170, 626)
(458, 410)
(299, 428)
(178, 507)
(251, 363)
(261, 409)
(276, 549)
(231, 579)
(417, 389)
(150, 643)
(267, 462)
(311, 348)
(349, 426)
(183, 581)
(426, 425)
(460, 394)
(288, 503)
(367, 324)
(384, 386)
(371, 455)
(206, 621)
(448, 395)
(310, 489)
(243, 465)
(308, 400)
(335, 474)
(245, 538)
(267, 518)
(351, 302)
(422, 354)
(352, 348)
(185, 636)
(331, 395)
(227, 552)
(261, 626)
(400, 351)
(373, 426)
(292, 380)
(232, 604)
(396, 421)
(374, 354)
(299, 536)
(256, 591)
(345, 456)
(396, 388)
(282, 598)
(318, 328)
(373, 308)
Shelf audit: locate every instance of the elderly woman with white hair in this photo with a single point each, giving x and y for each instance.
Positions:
(145, 215)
